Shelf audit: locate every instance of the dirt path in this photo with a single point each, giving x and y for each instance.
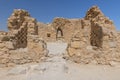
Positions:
(56, 48)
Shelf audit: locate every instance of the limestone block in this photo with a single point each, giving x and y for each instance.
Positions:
(2, 45)
(113, 44)
(75, 44)
(71, 51)
(9, 45)
(36, 47)
(89, 48)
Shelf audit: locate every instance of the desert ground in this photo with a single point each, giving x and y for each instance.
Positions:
(55, 67)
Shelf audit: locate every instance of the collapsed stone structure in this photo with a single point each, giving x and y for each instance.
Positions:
(97, 40)
(21, 43)
(92, 39)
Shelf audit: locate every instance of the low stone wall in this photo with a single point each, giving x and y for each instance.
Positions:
(33, 53)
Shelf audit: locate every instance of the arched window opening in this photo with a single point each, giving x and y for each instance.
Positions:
(59, 33)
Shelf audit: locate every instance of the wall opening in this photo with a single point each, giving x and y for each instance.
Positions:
(48, 35)
(96, 38)
(59, 33)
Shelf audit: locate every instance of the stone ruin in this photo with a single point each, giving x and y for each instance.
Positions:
(96, 42)
(21, 43)
(92, 39)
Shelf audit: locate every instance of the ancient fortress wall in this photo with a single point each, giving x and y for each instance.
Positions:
(92, 39)
(98, 43)
(21, 43)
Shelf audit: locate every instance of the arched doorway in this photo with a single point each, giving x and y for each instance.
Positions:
(59, 33)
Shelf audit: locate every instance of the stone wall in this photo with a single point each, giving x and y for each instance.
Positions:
(92, 39)
(31, 25)
(21, 43)
(20, 24)
(60, 29)
(46, 32)
(63, 29)
(2, 36)
(101, 44)
(16, 20)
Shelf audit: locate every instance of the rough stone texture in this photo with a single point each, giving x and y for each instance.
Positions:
(21, 18)
(20, 44)
(64, 29)
(92, 39)
(16, 20)
(94, 14)
(32, 26)
(20, 25)
(98, 44)
(3, 36)
(46, 32)
(60, 29)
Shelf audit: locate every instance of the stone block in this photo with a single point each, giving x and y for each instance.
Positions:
(71, 51)
(75, 44)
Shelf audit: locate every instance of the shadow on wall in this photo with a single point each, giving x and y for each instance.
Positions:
(96, 35)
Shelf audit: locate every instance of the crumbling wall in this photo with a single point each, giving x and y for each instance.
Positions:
(101, 46)
(33, 53)
(21, 38)
(20, 24)
(64, 28)
(94, 14)
(5, 46)
(5, 43)
(18, 28)
(21, 44)
(31, 25)
(3, 36)
(92, 39)
(59, 25)
(103, 32)
(16, 20)
(46, 32)
(80, 43)
(60, 29)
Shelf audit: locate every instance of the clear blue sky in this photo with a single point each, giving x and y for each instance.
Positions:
(46, 10)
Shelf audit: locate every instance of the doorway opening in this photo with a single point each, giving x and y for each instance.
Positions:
(59, 33)
(96, 36)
